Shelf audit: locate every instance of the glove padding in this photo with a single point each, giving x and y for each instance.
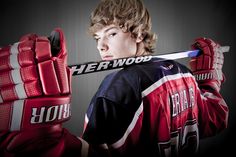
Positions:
(29, 68)
(35, 82)
(208, 66)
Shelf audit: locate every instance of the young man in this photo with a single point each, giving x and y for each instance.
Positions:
(156, 108)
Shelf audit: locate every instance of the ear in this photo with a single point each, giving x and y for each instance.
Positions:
(139, 38)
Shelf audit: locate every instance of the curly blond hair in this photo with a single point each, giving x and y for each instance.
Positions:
(130, 15)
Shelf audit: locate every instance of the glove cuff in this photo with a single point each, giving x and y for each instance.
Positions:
(34, 113)
(208, 75)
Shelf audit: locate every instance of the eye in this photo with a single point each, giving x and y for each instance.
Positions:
(112, 34)
(97, 39)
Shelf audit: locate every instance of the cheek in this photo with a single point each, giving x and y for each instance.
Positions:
(131, 47)
(126, 49)
(125, 46)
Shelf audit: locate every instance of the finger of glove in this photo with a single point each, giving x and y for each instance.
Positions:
(210, 50)
(17, 55)
(53, 73)
(53, 79)
(60, 60)
(204, 45)
(48, 76)
(18, 73)
(57, 39)
(26, 43)
(69, 74)
(16, 68)
(200, 63)
(28, 37)
(62, 75)
(17, 76)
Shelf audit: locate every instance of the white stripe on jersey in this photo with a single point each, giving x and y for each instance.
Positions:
(121, 141)
(164, 80)
(86, 119)
(14, 48)
(17, 115)
(20, 91)
(16, 76)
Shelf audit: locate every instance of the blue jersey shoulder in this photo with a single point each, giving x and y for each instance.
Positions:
(127, 84)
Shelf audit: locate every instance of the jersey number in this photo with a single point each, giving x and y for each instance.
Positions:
(185, 139)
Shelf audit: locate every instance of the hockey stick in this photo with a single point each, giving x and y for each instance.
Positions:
(90, 67)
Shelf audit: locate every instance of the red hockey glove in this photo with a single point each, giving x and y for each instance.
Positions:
(207, 67)
(34, 82)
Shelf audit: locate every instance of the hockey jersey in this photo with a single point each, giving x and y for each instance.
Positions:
(153, 109)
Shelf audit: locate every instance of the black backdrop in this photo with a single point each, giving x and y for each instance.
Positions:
(176, 23)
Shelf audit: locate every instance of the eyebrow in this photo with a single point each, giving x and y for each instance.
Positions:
(108, 29)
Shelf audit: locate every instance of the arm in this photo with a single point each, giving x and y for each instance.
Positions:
(207, 69)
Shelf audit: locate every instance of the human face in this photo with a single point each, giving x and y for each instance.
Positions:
(113, 43)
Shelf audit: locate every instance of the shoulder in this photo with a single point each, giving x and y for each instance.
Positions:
(121, 86)
(128, 83)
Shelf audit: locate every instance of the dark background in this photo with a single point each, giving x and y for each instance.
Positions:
(177, 24)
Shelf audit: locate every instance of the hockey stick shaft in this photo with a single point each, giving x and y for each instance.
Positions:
(91, 67)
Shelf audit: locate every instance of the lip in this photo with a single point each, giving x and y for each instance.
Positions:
(107, 57)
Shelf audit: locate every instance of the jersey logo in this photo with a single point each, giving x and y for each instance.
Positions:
(167, 67)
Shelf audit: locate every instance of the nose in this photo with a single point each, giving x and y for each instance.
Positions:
(102, 45)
